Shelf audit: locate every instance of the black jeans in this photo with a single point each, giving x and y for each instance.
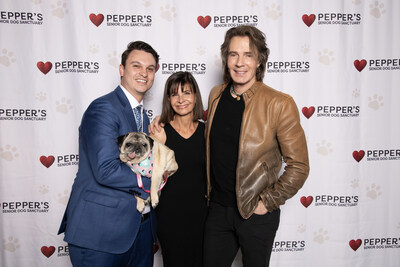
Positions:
(226, 231)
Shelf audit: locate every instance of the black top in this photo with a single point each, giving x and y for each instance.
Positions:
(182, 209)
(224, 144)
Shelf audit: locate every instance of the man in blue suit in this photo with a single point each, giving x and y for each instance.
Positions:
(101, 223)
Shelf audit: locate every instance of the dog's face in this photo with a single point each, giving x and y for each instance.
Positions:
(134, 146)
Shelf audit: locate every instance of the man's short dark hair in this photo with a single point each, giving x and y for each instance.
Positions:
(139, 45)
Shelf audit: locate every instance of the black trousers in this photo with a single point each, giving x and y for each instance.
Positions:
(226, 231)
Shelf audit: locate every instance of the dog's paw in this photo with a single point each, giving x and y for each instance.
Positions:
(140, 205)
(154, 200)
(154, 205)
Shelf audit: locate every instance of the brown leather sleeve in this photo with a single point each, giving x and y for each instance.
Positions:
(292, 142)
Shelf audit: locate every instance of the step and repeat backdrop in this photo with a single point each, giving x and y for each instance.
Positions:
(340, 60)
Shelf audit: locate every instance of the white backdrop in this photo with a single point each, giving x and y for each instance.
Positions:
(340, 60)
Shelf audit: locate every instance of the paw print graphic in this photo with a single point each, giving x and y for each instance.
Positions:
(60, 9)
(252, 3)
(325, 57)
(146, 3)
(9, 153)
(41, 96)
(374, 191)
(44, 189)
(321, 236)
(168, 13)
(7, 58)
(201, 50)
(301, 229)
(94, 49)
(354, 183)
(63, 197)
(324, 148)
(377, 9)
(305, 48)
(64, 105)
(113, 59)
(11, 245)
(356, 93)
(273, 11)
(375, 102)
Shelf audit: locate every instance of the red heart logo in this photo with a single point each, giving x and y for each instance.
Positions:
(44, 67)
(308, 19)
(96, 19)
(204, 21)
(48, 251)
(358, 155)
(360, 64)
(308, 112)
(306, 201)
(355, 244)
(47, 161)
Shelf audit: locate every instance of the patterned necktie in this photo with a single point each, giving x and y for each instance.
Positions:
(138, 117)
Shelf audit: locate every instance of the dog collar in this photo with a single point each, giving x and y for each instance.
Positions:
(144, 167)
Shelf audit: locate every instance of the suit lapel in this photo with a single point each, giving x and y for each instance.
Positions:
(126, 110)
(146, 122)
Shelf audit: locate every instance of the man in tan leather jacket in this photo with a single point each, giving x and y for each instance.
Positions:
(250, 129)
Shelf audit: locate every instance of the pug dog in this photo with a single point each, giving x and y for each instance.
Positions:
(148, 157)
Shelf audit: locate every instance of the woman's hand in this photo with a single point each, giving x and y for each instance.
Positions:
(156, 130)
(155, 126)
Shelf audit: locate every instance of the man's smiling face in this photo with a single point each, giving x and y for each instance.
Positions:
(242, 63)
(138, 74)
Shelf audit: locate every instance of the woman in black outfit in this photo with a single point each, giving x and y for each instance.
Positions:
(182, 208)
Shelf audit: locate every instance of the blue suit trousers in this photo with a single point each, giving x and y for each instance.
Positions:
(139, 255)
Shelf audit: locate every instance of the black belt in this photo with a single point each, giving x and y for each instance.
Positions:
(145, 216)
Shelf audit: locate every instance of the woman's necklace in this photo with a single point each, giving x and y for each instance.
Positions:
(235, 94)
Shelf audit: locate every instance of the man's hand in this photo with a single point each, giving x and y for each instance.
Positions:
(260, 209)
(155, 126)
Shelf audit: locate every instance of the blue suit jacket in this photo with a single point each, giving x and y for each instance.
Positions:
(101, 212)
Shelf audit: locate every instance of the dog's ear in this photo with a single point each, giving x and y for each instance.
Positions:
(120, 140)
(151, 141)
